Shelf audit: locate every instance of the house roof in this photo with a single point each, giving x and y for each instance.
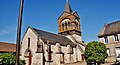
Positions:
(110, 29)
(53, 37)
(7, 47)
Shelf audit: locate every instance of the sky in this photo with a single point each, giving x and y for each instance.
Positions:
(43, 14)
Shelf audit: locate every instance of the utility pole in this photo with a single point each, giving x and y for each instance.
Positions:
(19, 32)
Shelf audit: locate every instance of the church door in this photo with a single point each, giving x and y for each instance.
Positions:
(82, 57)
(30, 58)
(63, 58)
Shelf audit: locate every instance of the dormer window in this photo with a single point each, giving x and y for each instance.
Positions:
(116, 37)
(106, 39)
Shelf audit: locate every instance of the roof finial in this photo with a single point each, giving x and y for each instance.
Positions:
(67, 1)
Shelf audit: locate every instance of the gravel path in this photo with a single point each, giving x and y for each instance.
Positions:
(84, 63)
(78, 63)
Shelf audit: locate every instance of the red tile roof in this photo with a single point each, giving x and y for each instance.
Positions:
(7, 47)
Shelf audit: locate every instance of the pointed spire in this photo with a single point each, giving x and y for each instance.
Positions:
(67, 7)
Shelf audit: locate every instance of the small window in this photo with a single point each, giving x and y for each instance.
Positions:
(62, 26)
(65, 26)
(76, 27)
(28, 42)
(106, 39)
(68, 23)
(49, 53)
(108, 51)
(116, 38)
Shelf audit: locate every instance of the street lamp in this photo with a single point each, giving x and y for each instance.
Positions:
(19, 32)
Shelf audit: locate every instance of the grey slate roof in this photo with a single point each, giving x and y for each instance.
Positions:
(68, 11)
(110, 29)
(67, 7)
(53, 37)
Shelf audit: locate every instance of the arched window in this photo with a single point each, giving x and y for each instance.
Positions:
(63, 26)
(69, 25)
(66, 26)
(73, 24)
(28, 42)
(76, 27)
(49, 52)
(77, 24)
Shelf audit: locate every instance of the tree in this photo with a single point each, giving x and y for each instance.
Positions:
(95, 52)
(8, 59)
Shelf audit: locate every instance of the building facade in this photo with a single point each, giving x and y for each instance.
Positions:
(44, 48)
(110, 35)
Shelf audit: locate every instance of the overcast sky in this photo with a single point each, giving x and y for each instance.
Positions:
(43, 14)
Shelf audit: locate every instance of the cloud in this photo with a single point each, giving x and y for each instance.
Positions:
(7, 30)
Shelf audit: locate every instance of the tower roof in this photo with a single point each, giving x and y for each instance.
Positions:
(67, 7)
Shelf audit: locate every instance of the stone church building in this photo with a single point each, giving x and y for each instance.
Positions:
(40, 47)
(110, 35)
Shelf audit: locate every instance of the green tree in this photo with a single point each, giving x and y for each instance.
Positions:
(95, 52)
(8, 59)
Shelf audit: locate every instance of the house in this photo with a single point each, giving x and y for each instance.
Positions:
(7, 47)
(45, 48)
(110, 35)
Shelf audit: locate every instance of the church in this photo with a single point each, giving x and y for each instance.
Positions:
(40, 47)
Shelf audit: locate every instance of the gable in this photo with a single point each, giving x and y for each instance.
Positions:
(76, 14)
(64, 14)
(29, 32)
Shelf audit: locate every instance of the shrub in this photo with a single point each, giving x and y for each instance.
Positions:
(95, 52)
(8, 59)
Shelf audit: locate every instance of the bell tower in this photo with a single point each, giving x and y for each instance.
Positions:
(69, 21)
